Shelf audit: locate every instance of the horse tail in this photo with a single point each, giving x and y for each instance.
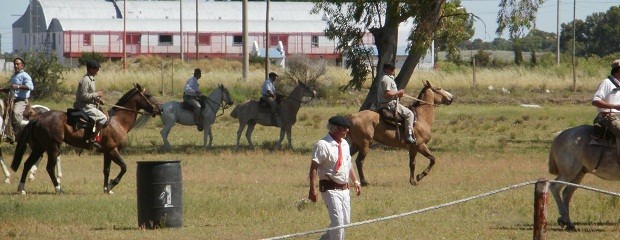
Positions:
(553, 165)
(234, 113)
(144, 119)
(20, 149)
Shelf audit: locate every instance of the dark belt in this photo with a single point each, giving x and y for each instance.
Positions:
(20, 99)
(325, 185)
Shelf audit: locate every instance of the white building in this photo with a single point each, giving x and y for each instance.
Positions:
(70, 27)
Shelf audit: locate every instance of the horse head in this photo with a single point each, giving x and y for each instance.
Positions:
(307, 90)
(226, 98)
(141, 99)
(434, 95)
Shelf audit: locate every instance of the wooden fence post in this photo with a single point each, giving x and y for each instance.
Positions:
(541, 198)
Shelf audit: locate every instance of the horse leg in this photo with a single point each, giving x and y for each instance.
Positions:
(248, 134)
(239, 132)
(116, 157)
(5, 170)
(359, 162)
(34, 156)
(164, 134)
(412, 154)
(289, 137)
(34, 169)
(567, 195)
(207, 139)
(58, 169)
(279, 142)
(52, 158)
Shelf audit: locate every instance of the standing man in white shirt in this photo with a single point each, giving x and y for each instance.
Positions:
(331, 164)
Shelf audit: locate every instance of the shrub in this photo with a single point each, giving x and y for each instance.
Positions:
(46, 73)
(85, 57)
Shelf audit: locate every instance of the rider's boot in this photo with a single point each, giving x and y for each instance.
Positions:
(410, 138)
(198, 119)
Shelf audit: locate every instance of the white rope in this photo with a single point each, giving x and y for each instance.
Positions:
(586, 187)
(407, 213)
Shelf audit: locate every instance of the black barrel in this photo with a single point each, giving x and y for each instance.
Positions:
(160, 194)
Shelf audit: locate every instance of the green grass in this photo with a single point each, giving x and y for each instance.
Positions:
(251, 194)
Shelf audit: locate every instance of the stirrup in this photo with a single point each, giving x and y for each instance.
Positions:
(410, 139)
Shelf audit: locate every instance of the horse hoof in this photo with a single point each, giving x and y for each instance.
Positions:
(59, 190)
(7, 180)
(364, 183)
(30, 176)
(21, 192)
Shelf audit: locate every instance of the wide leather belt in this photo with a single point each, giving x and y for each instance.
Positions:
(325, 185)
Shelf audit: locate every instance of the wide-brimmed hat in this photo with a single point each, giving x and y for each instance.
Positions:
(388, 66)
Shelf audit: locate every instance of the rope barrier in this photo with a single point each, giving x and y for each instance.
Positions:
(440, 206)
(407, 213)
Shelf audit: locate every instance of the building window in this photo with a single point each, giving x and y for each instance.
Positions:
(134, 39)
(165, 40)
(237, 40)
(315, 41)
(87, 39)
(53, 41)
(204, 39)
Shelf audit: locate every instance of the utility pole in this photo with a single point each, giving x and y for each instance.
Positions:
(30, 37)
(246, 56)
(267, 41)
(558, 34)
(574, 70)
(181, 28)
(196, 30)
(125, 36)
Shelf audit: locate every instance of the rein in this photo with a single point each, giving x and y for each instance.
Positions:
(223, 104)
(300, 100)
(128, 109)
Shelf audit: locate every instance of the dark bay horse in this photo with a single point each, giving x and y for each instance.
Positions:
(50, 130)
(367, 126)
(571, 157)
(249, 114)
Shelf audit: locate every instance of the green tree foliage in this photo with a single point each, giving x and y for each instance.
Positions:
(46, 73)
(349, 21)
(457, 26)
(594, 36)
(517, 16)
(85, 57)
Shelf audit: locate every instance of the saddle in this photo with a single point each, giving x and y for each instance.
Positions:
(188, 107)
(78, 119)
(263, 104)
(601, 135)
(390, 116)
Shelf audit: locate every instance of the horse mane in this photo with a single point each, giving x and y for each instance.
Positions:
(123, 100)
(417, 102)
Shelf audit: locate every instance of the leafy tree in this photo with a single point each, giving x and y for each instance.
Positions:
(46, 73)
(85, 57)
(517, 16)
(458, 26)
(350, 21)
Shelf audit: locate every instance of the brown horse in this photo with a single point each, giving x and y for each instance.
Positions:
(367, 126)
(571, 157)
(250, 114)
(47, 134)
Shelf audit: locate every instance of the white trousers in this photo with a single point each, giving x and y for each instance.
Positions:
(338, 203)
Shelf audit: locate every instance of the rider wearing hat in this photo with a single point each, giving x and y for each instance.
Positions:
(268, 92)
(88, 99)
(192, 95)
(388, 95)
(607, 100)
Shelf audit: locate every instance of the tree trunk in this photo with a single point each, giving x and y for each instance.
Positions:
(386, 40)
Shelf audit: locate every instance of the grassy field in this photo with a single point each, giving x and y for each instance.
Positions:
(261, 193)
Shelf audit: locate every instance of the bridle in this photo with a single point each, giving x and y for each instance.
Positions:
(307, 89)
(148, 100)
(224, 104)
(429, 103)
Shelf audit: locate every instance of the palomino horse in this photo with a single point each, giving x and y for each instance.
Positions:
(367, 126)
(173, 113)
(250, 114)
(51, 129)
(571, 157)
(31, 112)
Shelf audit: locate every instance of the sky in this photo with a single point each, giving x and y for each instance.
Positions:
(486, 10)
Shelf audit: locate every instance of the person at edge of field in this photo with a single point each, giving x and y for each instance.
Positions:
(331, 164)
(607, 100)
(268, 93)
(192, 96)
(388, 96)
(19, 87)
(89, 100)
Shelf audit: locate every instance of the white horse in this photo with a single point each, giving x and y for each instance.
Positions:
(38, 109)
(173, 113)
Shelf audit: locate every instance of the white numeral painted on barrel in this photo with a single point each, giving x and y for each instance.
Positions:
(166, 196)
